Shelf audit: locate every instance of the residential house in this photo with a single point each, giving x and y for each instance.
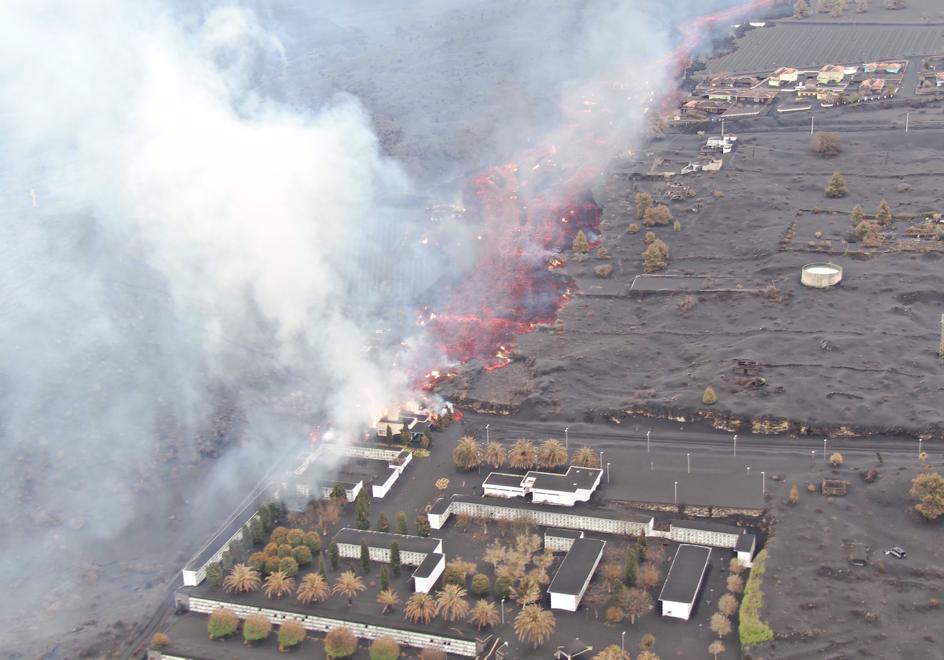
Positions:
(831, 74)
(783, 76)
(872, 86)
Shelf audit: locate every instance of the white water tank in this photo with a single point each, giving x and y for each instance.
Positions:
(821, 275)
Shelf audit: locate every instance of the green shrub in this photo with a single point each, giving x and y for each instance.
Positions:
(384, 648)
(302, 555)
(257, 561)
(480, 584)
(285, 550)
(289, 566)
(256, 627)
(295, 537)
(340, 643)
(222, 623)
(214, 575)
(272, 564)
(313, 541)
(751, 628)
(291, 633)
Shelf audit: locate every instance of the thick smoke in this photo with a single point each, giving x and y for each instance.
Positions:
(208, 249)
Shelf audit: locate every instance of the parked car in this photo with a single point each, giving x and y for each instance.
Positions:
(897, 553)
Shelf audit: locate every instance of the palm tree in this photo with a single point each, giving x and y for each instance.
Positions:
(242, 579)
(451, 602)
(483, 615)
(389, 599)
(313, 589)
(348, 585)
(278, 584)
(552, 454)
(612, 652)
(535, 625)
(585, 457)
(495, 454)
(420, 608)
(523, 455)
(467, 453)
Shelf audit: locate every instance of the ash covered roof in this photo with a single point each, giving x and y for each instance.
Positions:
(686, 573)
(577, 566)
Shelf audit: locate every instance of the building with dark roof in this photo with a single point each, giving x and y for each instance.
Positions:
(745, 548)
(429, 570)
(684, 580)
(575, 485)
(579, 517)
(557, 539)
(705, 532)
(413, 549)
(571, 580)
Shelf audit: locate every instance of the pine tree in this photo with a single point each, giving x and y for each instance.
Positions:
(395, 558)
(581, 245)
(629, 567)
(837, 186)
(321, 566)
(641, 547)
(384, 578)
(884, 213)
(401, 523)
(422, 525)
(334, 555)
(365, 556)
(214, 575)
(383, 524)
(406, 436)
(709, 397)
(856, 215)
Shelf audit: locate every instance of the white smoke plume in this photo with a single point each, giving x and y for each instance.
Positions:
(193, 268)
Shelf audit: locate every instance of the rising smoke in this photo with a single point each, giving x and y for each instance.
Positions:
(207, 249)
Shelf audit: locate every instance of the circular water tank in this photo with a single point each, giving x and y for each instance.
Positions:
(821, 275)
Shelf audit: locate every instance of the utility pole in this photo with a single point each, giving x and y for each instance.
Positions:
(824, 450)
(812, 123)
(566, 437)
(763, 481)
(676, 493)
(688, 461)
(907, 121)
(722, 129)
(607, 473)
(648, 450)
(920, 439)
(735, 444)
(812, 457)
(486, 433)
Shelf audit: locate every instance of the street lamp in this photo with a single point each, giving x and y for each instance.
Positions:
(623, 641)
(607, 473)
(824, 450)
(486, 433)
(688, 460)
(763, 481)
(648, 450)
(735, 444)
(601, 458)
(919, 447)
(676, 493)
(812, 457)
(503, 610)
(566, 437)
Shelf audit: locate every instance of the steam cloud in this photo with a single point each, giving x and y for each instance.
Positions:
(184, 256)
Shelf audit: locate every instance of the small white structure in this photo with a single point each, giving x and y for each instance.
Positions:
(746, 545)
(821, 275)
(725, 143)
(571, 580)
(704, 532)
(429, 570)
(575, 485)
(683, 583)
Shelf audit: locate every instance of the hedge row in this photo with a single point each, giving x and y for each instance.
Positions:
(751, 629)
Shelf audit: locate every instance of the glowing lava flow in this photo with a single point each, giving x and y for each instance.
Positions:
(527, 216)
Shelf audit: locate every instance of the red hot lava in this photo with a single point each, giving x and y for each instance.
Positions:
(526, 216)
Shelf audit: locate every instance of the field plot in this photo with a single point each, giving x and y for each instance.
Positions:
(863, 351)
(815, 45)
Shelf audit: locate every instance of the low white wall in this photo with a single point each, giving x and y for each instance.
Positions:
(454, 645)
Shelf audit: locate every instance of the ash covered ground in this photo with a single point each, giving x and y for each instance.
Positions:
(862, 354)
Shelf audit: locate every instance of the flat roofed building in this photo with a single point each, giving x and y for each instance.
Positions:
(579, 517)
(575, 485)
(413, 549)
(571, 580)
(557, 539)
(501, 484)
(704, 532)
(684, 580)
(429, 570)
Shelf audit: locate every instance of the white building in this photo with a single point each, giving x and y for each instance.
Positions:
(624, 522)
(560, 540)
(705, 532)
(429, 570)
(413, 549)
(575, 572)
(683, 583)
(575, 485)
(745, 548)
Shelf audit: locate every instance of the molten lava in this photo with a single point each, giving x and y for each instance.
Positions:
(528, 215)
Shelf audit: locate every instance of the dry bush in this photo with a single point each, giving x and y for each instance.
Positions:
(826, 144)
(687, 304)
(632, 229)
(159, 641)
(603, 271)
(903, 188)
(603, 253)
(657, 215)
(717, 194)
(870, 475)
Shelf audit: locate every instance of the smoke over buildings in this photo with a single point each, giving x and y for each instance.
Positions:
(211, 243)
